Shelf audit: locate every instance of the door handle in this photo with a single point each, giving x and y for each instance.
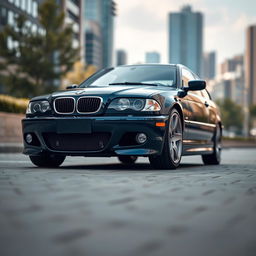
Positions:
(206, 104)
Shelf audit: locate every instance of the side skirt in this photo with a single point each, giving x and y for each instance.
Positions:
(197, 148)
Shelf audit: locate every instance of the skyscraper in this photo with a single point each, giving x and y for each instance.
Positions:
(250, 64)
(10, 8)
(98, 34)
(73, 16)
(93, 33)
(121, 57)
(152, 57)
(107, 22)
(186, 38)
(232, 64)
(209, 65)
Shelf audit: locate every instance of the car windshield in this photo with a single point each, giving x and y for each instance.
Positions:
(163, 75)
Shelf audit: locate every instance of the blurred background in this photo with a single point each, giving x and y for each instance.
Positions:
(46, 45)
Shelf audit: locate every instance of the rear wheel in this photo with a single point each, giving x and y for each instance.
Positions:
(47, 160)
(171, 154)
(215, 157)
(127, 159)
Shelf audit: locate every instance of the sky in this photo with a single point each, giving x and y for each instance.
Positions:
(141, 26)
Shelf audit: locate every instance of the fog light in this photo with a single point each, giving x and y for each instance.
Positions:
(29, 138)
(141, 138)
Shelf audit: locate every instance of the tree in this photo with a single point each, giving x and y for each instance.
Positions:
(15, 58)
(37, 58)
(253, 111)
(79, 73)
(231, 114)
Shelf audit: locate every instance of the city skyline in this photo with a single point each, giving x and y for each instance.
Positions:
(147, 22)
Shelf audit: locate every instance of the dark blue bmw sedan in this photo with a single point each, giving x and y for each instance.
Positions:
(162, 112)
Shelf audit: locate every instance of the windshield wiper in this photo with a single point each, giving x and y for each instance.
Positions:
(133, 83)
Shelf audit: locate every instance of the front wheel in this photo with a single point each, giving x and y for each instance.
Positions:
(172, 150)
(215, 157)
(47, 160)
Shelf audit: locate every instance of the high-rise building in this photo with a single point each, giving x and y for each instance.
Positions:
(93, 33)
(250, 64)
(99, 32)
(152, 57)
(73, 10)
(230, 65)
(209, 65)
(121, 57)
(10, 8)
(229, 84)
(107, 22)
(186, 38)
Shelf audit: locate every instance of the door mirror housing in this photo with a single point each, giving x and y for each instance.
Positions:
(196, 85)
(73, 86)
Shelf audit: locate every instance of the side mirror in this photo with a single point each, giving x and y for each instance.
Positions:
(196, 85)
(73, 86)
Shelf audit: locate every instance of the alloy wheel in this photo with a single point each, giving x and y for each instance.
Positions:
(218, 143)
(175, 137)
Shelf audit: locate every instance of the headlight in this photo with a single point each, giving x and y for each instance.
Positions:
(122, 104)
(38, 107)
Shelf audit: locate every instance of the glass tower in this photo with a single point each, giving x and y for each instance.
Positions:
(186, 38)
(99, 32)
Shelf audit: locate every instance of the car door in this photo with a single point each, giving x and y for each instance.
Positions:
(197, 122)
(211, 110)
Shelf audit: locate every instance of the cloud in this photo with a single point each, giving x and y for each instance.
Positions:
(145, 20)
(242, 21)
(143, 25)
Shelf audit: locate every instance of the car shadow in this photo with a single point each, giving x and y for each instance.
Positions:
(123, 167)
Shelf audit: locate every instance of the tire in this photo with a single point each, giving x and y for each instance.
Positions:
(47, 160)
(128, 160)
(215, 157)
(172, 150)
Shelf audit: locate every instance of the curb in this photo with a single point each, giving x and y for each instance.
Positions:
(11, 147)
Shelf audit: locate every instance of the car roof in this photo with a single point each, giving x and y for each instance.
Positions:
(149, 64)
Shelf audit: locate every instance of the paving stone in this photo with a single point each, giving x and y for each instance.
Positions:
(96, 206)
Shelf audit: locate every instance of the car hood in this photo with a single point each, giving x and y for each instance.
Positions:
(114, 91)
(110, 92)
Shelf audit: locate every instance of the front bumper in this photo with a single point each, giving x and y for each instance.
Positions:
(115, 126)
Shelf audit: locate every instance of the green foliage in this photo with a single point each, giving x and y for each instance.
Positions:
(13, 105)
(231, 114)
(253, 111)
(39, 58)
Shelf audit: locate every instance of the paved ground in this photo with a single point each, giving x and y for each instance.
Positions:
(95, 206)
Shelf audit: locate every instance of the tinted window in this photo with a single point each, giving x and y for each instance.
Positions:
(161, 75)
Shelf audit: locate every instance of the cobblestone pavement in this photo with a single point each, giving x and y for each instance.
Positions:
(96, 206)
